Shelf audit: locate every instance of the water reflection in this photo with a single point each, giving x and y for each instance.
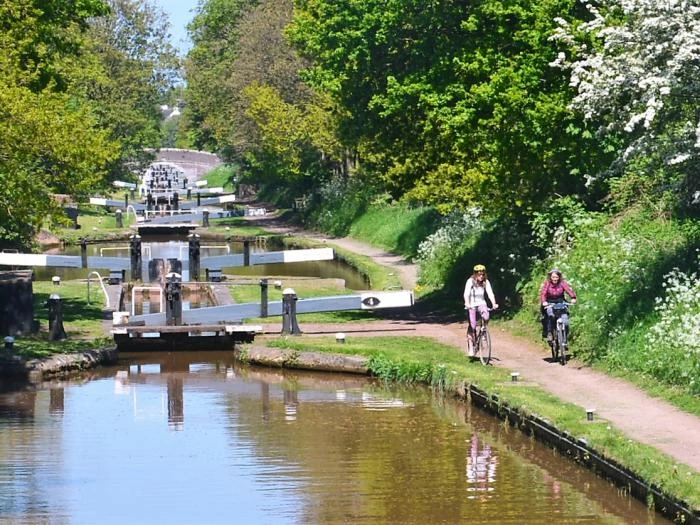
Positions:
(194, 438)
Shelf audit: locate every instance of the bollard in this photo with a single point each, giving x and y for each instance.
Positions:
(289, 312)
(205, 218)
(514, 376)
(199, 199)
(189, 193)
(340, 338)
(263, 297)
(194, 254)
(590, 412)
(246, 253)
(56, 330)
(176, 201)
(173, 299)
(126, 200)
(184, 183)
(120, 220)
(132, 191)
(56, 280)
(83, 252)
(135, 250)
(9, 343)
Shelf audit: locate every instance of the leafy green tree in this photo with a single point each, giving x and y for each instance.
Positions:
(451, 102)
(51, 139)
(133, 72)
(214, 36)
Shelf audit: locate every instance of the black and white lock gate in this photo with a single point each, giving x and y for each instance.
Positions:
(235, 313)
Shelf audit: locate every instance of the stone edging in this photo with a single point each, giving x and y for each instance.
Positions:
(38, 369)
(576, 449)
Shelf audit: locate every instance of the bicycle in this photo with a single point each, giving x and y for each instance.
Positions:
(482, 340)
(559, 343)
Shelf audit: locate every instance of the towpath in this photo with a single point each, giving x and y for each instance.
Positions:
(643, 418)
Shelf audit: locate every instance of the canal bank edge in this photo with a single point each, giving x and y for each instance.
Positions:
(59, 365)
(574, 448)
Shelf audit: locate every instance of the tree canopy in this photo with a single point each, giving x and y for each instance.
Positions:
(79, 87)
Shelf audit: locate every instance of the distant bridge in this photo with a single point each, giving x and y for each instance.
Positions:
(194, 163)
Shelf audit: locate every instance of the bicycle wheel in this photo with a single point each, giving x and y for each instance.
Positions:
(484, 345)
(561, 340)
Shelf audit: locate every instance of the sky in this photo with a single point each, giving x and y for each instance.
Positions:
(179, 12)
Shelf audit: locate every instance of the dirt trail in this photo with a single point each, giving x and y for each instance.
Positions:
(643, 418)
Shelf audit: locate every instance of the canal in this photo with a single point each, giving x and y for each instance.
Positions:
(197, 438)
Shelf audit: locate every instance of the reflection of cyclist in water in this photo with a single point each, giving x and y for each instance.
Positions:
(481, 467)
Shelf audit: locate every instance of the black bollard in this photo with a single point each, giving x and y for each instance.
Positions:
(199, 199)
(133, 193)
(173, 299)
(289, 313)
(83, 252)
(176, 201)
(135, 250)
(56, 330)
(189, 193)
(120, 220)
(263, 297)
(194, 252)
(126, 200)
(184, 183)
(246, 253)
(205, 218)
(9, 343)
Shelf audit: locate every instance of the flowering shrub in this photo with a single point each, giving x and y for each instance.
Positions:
(439, 252)
(674, 340)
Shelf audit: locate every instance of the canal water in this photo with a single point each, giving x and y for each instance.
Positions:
(163, 248)
(194, 438)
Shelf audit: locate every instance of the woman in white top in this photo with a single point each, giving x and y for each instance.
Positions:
(476, 291)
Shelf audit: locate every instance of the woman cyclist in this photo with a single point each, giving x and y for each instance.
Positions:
(553, 291)
(477, 289)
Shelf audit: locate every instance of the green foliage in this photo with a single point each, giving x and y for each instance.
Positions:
(456, 107)
(630, 296)
(340, 202)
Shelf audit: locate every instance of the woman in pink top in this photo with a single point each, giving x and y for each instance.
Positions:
(553, 291)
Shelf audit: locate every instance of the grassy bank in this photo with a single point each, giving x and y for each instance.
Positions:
(421, 360)
(638, 314)
(81, 321)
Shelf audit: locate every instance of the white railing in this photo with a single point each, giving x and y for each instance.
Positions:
(99, 278)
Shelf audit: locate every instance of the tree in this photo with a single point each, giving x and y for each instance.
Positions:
(51, 139)
(134, 69)
(452, 102)
(634, 66)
